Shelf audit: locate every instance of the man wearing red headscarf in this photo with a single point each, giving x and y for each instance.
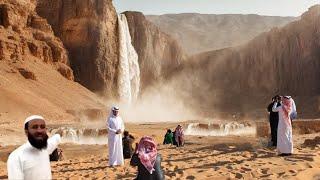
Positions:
(284, 138)
(148, 160)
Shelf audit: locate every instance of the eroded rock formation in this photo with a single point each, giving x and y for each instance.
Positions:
(88, 29)
(282, 61)
(23, 33)
(35, 77)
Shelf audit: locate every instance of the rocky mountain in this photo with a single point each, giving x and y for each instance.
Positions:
(205, 32)
(24, 33)
(243, 79)
(35, 77)
(88, 29)
(159, 54)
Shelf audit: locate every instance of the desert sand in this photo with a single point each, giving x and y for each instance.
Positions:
(202, 157)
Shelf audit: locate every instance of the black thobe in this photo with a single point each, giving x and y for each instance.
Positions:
(274, 120)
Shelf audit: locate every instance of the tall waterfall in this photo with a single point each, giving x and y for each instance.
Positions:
(129, 71)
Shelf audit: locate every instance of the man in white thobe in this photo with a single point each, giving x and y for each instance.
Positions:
(31, 160)
(284, 134)
(115, 129)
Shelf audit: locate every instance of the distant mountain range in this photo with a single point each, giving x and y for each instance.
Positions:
(204, 32)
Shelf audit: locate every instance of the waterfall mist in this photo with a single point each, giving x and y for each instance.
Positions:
(160, 103)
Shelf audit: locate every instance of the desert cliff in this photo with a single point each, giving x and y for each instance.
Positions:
(243, 79)
(88, 29)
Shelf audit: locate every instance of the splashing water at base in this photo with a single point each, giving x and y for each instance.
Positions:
(225, 129)
(82, 136)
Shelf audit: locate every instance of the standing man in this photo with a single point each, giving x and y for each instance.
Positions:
(115, 129)
(31, 160)
(285, 140)
(294, 113)
(274, 119)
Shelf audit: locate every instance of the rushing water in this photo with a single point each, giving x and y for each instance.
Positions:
(82, 136)
(129, 71)
(224, 129)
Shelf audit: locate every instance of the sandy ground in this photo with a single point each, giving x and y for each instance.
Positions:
(232, 157)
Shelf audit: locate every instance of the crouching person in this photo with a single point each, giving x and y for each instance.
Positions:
(148, 160)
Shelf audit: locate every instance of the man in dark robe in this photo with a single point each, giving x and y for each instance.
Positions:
(274, 119)
(127, 142)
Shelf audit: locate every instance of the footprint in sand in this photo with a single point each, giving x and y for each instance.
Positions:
(265, 176)
(216, 168)
(190, 177)
(175, 168)
(265, 171)
(293, 171)
(239, 176)
(246, 169)
(229, 167)
(180, 172)
(171, 174)
(281, 174)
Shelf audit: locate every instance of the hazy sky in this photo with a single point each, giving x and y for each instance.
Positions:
(262, 7)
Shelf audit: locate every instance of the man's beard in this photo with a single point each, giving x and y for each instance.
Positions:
(38, 143)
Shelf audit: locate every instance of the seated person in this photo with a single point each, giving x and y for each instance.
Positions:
(127, 142)
(148, 160)
(179, 136)
(168, 138)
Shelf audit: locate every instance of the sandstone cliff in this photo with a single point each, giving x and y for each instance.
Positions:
(205, 32)
(243, 79)
(88, 29)
(159, 54)
(34, 74)
(24, 33)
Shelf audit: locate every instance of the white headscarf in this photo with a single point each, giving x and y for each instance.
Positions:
(33, 117)
(114, 108)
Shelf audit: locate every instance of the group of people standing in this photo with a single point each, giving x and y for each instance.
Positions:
(175, 138)
(282, 110)
(31, 160)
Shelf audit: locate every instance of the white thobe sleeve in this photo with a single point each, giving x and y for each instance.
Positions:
(294, 108)
(14, 167)
(122, 125)
(275, 108)
(109, 128)
(53, 143)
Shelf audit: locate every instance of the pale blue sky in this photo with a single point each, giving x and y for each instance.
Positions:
(262, 7)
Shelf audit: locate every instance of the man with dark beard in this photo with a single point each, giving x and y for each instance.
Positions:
(31, 160)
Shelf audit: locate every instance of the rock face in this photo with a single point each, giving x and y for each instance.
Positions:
(206, 32)
(159, 54)
(283, 61)
(24, 33)
(34, 74)
(88, 29)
